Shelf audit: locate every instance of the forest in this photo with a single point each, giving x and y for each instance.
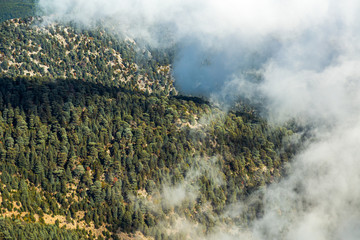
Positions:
(10, 9)
(94, 138)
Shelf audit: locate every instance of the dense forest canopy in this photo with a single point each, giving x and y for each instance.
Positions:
(10, 9)
(95, 141)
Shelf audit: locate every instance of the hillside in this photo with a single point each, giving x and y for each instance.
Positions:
(93, 136)
(57, 51)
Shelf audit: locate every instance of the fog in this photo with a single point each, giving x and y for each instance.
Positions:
(300, 59)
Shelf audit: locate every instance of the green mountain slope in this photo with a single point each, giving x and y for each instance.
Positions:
(56, 51)
(92, 138)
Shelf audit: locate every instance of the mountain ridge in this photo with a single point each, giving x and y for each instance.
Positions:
(57, 51)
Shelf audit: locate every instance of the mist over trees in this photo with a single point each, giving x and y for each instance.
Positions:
(298, 61)
(94, 136)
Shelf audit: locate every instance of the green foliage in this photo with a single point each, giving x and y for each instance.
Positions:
(95, 56)
(112, 142)
(15, 229)
(10, 9)
(79, 138)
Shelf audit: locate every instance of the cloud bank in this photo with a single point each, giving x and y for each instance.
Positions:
(301, 59)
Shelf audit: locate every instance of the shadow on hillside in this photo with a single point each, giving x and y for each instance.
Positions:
(46, 97)
(33, 94)
(198, 100)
